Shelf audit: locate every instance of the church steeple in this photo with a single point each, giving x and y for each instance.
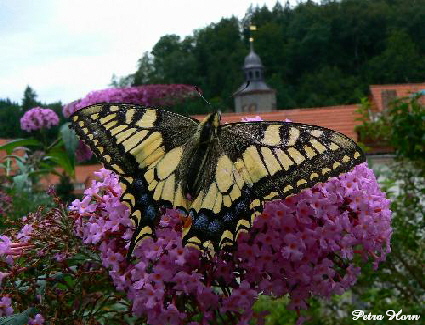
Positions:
(257, 96)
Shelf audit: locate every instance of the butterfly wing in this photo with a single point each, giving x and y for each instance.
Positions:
(144, 146)
(259, 161)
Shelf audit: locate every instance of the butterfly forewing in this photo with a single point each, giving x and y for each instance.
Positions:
(143, 146)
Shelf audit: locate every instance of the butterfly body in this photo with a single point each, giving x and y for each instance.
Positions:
(198, 151)
(219, 175)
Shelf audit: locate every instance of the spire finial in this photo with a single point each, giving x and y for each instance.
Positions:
(251, 38)
(251, 44)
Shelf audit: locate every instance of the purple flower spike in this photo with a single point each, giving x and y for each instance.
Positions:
(163, 95)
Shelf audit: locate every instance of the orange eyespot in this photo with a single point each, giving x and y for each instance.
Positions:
(186, 220)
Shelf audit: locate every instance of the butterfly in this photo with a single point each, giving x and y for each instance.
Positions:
(218, 175)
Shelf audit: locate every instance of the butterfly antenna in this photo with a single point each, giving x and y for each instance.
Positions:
(237, 92)
(200, 95)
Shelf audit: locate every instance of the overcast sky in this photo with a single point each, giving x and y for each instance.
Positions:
(65, 48)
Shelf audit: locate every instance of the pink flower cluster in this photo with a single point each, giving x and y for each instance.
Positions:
(257, 119)
(302, 246)
(39, 118)
(6, 306)
(144, 95)
(6, 251)
(37, 320)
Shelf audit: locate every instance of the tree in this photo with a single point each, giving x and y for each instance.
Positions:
(122, 82)
(144, 71)
(29, 100)
(326, 87)
(10, 113)
(399, 62)
(219, 52)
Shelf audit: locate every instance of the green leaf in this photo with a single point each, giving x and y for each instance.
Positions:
(40, 172)
(18, 319)
(70, 140)
(8, 147)
(61, 157)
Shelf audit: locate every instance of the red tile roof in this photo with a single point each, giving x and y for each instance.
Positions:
(402, 90)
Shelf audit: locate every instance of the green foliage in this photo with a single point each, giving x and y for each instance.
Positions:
(329, 86)
(144, 71)
(122, 82)
(402, 126)
(11, 145)
(276, 309)
(211, 60)
(407, 134)
(374, 129)
(25, 202)
(401, 60)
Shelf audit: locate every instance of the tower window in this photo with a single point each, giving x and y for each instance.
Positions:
(257, 74)
(250, 75)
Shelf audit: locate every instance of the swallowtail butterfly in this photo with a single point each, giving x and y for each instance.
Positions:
(228, 171)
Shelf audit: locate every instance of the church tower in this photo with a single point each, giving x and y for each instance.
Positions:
(258, 96)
